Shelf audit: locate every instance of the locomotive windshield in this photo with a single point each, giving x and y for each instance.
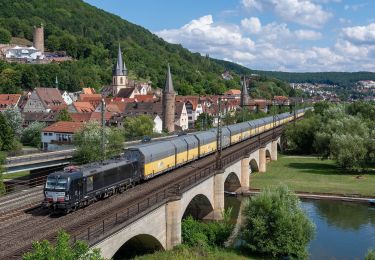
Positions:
(56, 183)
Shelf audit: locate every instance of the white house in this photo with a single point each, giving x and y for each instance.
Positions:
(59, 135)
(29, 53)
(67, 98)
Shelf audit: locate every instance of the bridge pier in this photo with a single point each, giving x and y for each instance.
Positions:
(245, 174)
(173, 225)
(274, 150)
(262, 159)
(218, 195)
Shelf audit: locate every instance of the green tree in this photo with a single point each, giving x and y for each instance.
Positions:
(204, 121)
(14, 118)
(5, 36)
(31, 135)
(63, 250)
(275, 225)
(229, 118)
(370, 255)
(88, 142)
(64, 116)
(8, 141)
(138, 126)
(10, 81)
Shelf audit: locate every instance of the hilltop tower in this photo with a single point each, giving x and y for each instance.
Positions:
(38, 38)
(244, 93)
(119, 74)
(169, 103)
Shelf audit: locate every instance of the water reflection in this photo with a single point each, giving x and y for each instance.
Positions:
(344, 230)
(346, 215)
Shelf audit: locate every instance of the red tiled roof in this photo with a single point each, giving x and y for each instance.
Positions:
(83, 107)
(63, 127)
(80, 117)
(89, 91)
(124, 100)
(7, 100)
(97, 116)
(50, 97)
(233, 92)
(144, 98)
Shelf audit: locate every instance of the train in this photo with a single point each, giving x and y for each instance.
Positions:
(76, 187)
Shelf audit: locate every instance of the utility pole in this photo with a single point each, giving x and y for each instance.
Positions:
(219, 138)
(103, 128)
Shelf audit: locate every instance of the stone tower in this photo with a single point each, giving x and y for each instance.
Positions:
(38, 38)
(169, 102)
(244, 93)
(119, 74)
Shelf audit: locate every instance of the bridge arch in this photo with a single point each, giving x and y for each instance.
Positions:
(232, 182)
(199, 207)
(138, 245)
(253, 166)
(268, 155)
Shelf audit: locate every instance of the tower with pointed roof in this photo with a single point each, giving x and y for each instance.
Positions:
(169, 103)
(119, 74)
(244, 93)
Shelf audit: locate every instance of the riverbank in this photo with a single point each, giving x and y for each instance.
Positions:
(311, 175)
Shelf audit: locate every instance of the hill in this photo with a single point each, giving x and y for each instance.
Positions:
(343, 79)
(91, 37)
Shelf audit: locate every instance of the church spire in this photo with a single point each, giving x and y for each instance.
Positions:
(118, 69)
(169, 83)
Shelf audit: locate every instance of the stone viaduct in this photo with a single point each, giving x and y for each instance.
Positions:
(161, 228)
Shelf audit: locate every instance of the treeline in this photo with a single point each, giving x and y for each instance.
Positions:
(343, 79)
(342, 132)
(91, 36)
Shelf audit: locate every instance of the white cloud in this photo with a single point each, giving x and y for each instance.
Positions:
(252, 4)
(252, 24)
(303, 12)
(274, 32)
(360, 34)
(273, 46)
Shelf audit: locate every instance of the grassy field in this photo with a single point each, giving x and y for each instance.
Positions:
(16, 175)
(311, 174)
(187, 253)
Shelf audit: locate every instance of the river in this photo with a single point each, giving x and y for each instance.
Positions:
(344, 230)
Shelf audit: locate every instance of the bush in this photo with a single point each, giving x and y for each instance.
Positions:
(370, 255)
(31, 135)
(5, 36)
(276, 226)
(205, 235)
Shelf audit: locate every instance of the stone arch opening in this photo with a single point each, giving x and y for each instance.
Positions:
(268, 156)
(253, 166)
(139, 245)
(232, 183)
(199, 207)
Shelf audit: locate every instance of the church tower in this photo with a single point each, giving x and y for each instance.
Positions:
(119, 74)
(169, 103)
(244, 94)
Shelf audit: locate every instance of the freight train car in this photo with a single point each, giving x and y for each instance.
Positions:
(77, 187)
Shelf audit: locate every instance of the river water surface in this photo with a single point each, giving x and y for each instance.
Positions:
(344, 230)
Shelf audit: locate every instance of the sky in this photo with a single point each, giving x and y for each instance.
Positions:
(282, 35)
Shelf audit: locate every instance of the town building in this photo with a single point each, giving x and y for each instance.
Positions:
(24, 53)
(8, 101)
(59, 135)
(45, 100)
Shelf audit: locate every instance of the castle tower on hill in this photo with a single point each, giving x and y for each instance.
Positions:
(119, 74)
(38, 38)
(244, 93)
(169, 103)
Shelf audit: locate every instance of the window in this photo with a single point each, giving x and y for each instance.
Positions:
(44, 133)
(50, 134)
(121, 80)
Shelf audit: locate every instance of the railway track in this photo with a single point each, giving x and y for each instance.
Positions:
(18, 233)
